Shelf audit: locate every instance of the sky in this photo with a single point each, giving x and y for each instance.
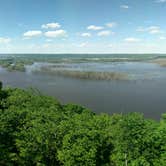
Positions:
(82, 26)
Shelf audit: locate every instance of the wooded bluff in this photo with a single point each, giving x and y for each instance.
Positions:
(37, 130)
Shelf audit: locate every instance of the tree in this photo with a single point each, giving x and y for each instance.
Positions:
(0, 85)
(86, 140)
(38, 130)
(135, 141)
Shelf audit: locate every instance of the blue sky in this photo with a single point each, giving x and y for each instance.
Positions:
(82, 26)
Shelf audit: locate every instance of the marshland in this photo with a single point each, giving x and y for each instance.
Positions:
(107, 84)
(82, 83)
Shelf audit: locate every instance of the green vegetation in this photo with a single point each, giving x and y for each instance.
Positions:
(14, 65)
(37, 130)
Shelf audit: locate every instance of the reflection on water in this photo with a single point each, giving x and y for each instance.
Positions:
(146, 93)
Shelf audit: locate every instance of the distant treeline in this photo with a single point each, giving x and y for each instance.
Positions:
(37, 130)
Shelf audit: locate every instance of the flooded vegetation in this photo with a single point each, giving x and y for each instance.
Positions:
(91, 75)
(126, 86)
(14, 65)
(160, 61)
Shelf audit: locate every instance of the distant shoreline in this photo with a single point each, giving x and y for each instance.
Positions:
(20, 63)
(159, 61)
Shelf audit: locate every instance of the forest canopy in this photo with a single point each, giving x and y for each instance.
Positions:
(38, 130)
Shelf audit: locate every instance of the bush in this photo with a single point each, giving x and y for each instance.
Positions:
(0, 85)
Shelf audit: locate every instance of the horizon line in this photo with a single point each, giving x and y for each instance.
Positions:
(80, 53)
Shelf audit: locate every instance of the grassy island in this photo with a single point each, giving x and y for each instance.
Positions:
(91, 75)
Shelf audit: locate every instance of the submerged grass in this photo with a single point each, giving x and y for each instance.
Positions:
(91, 75)
(160, 61)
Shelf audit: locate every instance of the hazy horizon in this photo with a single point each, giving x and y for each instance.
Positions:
(82, 53)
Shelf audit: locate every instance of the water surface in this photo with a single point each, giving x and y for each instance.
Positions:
(145, 92)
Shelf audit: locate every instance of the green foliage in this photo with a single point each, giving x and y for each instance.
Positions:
(0, 85)
(15, 64)
(136, 141)
(38, 130)
(85, 140)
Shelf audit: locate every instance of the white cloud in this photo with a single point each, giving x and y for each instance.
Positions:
(49, 40)
(160, 1)
(111, 24)
(154, 29)
(151, 29)
(85, 44)
(4, 40)
(110, 45)
(32, 33)
(55, 34)
(86, 34)
(132, 40)
(124, 6)
(51, 25)
(105, 33)
(162, 38)
(93, 27)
